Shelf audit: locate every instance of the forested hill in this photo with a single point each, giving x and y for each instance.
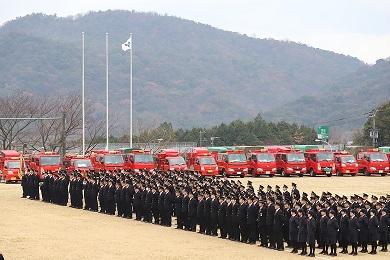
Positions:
(185, 72)
(346, 103)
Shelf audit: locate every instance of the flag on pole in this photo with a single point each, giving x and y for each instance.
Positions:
(127, 45)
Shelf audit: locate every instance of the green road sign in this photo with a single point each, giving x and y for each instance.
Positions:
(323, 132)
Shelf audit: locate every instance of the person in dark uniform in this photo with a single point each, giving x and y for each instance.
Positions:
(302, 231)
(332, 228)
(200, 218)
(161, 203)
(269, 222)
(277, 228)
(148, 205)
(293, 230)
(222, 217)
(363, 230)
(344, 231)
(383, 230)
(184, 210)
(207, 213)
(168, 208)
(295, 192)
(155, 212)
(192, 210)
(235, 220)
(110, 198)
(229, 211)
(242, 219)
(373, 231)
(286, 218)
(353, 231)
(214, 215)
(261, 223)
(24, 185)
(323, 238)
(252, 212)
(137, 203)
(311, 232)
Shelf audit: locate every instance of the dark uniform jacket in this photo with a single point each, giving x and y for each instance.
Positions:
(302, 229)
(311, 230)
(354, 230)
(332, 227)
(373, 229)
(293, 228)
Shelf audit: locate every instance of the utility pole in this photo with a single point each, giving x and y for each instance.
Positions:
(374, 132)
(63, 135)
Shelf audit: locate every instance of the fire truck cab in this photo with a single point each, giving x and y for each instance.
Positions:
(200, 160)
(74, 162)
(230, 162)
(10, 166)
(44, 162)
(261, 162)
(345, 163)
(107, 160)
(289, 162)
(320, 162)
(137, 159)
(373, 161)
(170, 160)
(386, 150)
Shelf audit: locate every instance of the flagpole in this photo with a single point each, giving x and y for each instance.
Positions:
(83, 94)
(131, 91)
(106, 91)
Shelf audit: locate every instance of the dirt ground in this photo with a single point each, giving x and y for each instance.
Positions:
(36, 230)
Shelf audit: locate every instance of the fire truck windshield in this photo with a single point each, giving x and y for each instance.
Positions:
(348, 159)
(176, 161)
(324, 157)
(378, 157)
(295, 157)
(13, 164)
(237, 158)
(83, 163)
(207, 161)
(143, 158)
(113, 159)
(50, 160)
(265, 157)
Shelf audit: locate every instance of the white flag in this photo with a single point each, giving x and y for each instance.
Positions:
(127, 45)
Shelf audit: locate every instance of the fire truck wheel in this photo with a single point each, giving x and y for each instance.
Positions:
(366, 173)
(312, 173)
(329, 175)
(300, 175)
(353, 174)
(338, 173)
(383, 174)
(242, 176)
(283, 173)
(271, 175)
(223, 173)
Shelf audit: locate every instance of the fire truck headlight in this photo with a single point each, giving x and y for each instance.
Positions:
(10, 172)
(387, 168)
(274, 169)
(343, 165)
(373, 168)
(216, 168)
(246, 169)
(259, 169)
(289, 169)
(231, 170)
(202, 168)
(319, 167)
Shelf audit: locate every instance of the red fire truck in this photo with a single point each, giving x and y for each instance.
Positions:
(78, 162)
(200, 160)
(320, 162)
(137, 159)
(230, 162)
(10, 165)
(45, 162)
(261, 162)
(345, 163)
(372, 161)
(170, 160)
(289, 161)
(107, 160)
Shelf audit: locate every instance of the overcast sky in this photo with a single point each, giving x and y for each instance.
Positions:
(360, 28)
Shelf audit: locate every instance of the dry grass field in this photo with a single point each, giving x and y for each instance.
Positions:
(36, 230)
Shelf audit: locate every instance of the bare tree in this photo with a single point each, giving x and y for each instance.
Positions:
(16, 105)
